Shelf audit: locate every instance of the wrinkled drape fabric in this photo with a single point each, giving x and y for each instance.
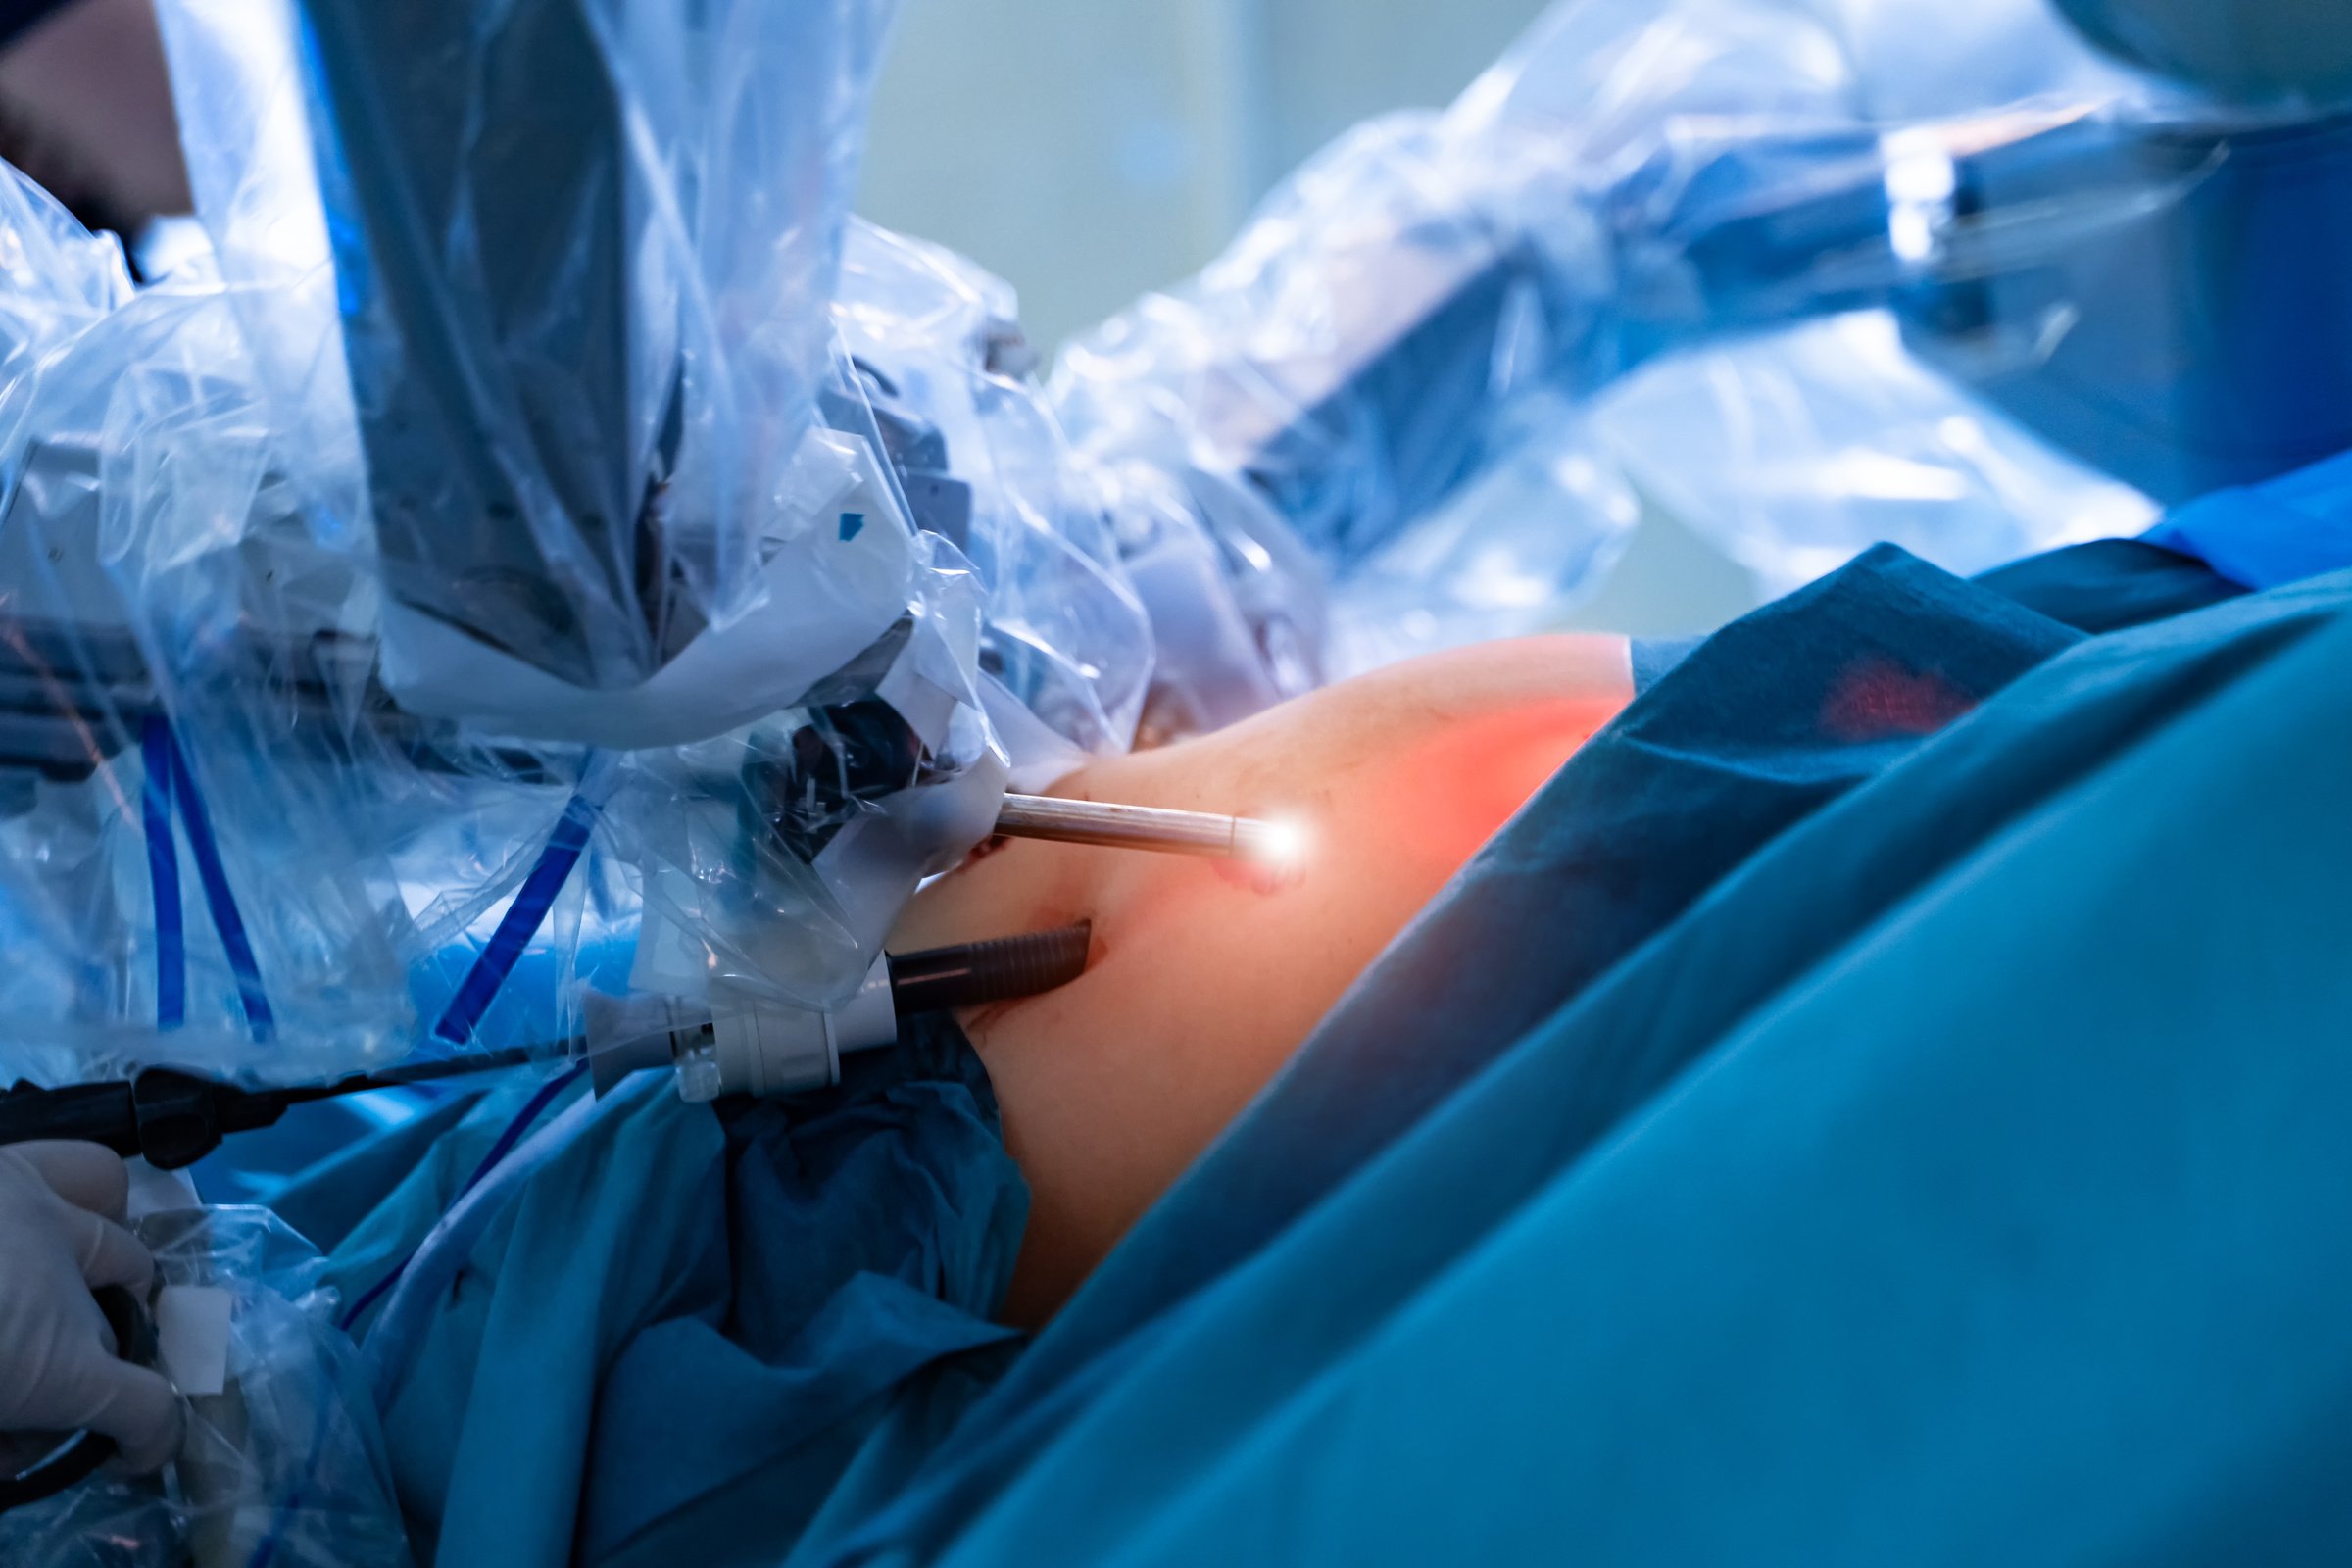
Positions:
(688, 1325)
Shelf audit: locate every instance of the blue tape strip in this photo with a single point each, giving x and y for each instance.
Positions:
(222, 902)
(162, 876)
(520, 923)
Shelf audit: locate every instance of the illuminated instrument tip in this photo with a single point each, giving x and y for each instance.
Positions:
(1282, 844)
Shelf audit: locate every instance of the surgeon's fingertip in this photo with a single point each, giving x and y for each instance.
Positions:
(107, 1253)
(89, 1176)
(132, 1267)
(145, 1416)
(147, 1459)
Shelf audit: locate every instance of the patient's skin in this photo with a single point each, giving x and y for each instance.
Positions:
(1205, 976)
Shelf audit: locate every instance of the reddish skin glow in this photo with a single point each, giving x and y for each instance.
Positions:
(1878, 697)
(1206, 977)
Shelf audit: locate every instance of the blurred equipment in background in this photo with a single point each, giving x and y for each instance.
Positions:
(85, 109)
(1806, 275)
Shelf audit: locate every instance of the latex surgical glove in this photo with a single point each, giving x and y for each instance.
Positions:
(61, 1237)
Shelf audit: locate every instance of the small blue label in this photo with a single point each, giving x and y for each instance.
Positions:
(852, 523)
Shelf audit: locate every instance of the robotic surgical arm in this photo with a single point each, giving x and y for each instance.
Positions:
(574, 455)
(2119, 248)
(493, 577)
(570, 457)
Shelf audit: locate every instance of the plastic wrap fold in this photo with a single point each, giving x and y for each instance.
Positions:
(485, 569)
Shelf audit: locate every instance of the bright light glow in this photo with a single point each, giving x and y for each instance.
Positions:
(1921, 180)
(1920, 174)
(1859, 476)
(1961, 433)
(1911, 235)
(1283, 844)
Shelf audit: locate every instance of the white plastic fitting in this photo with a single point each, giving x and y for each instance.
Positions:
(760, 1047)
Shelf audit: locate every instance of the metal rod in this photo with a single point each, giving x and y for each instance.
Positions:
(1139, 827)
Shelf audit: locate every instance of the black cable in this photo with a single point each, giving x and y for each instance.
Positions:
(172, 1118)
(426, 1072)
(971, 973)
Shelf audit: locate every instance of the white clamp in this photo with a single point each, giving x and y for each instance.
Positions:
(740, 1044)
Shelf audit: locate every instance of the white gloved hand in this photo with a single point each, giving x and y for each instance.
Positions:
(59, 1238)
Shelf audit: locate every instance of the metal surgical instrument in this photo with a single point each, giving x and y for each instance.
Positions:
(1146, 827)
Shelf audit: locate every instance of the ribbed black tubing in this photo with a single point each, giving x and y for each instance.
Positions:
(974, 972)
